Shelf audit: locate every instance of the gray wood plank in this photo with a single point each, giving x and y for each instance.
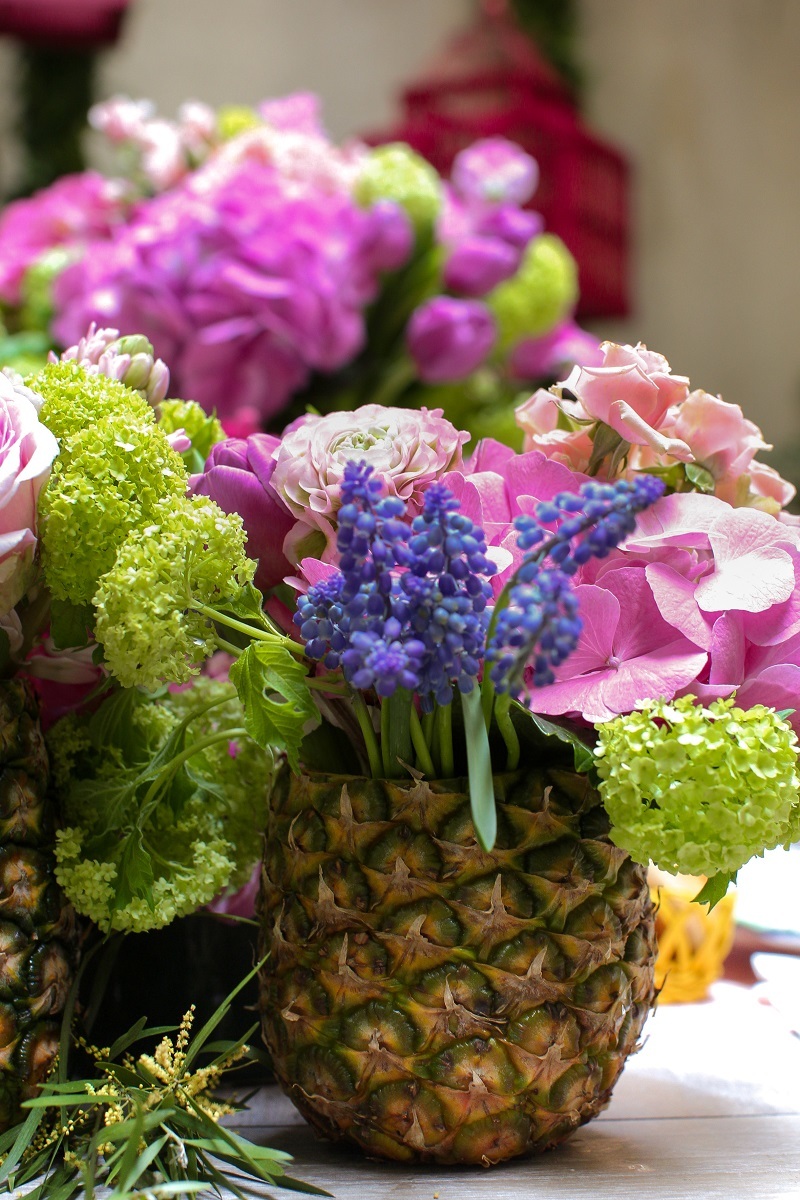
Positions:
(711, 1158)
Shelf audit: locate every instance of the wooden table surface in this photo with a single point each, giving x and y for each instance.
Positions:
(709, 1108)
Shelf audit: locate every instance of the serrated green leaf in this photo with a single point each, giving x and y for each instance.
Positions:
(715, 888)
(702, 479)
(70, 624)
(134, 872)
(248, 605)
(276, 698)
(582, 752)
(479, 766)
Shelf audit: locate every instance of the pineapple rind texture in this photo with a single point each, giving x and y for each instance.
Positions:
(37, 926)
(430, 1001)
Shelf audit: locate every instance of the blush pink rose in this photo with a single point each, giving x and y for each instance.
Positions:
(632, 392)
(27, 449)
(538, 418)
(718, 433)
(408, 449)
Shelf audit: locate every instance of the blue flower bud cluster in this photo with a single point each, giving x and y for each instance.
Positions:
(540, 626)
(408, 606)
(448, 593)
(590, 523)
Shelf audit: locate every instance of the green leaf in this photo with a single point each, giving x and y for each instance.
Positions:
(397, 722)
(24, 1138)
(479, 766)
(785, 713)
(329, 749)
(134, 873)
(702, 479)
(277, 700)
(248, 606)
(715, 888)
(605, 441)
(582, 752)
(70, 624)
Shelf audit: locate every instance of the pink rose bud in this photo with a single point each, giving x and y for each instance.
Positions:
(449, 338)
(477, 264)
(495, 170)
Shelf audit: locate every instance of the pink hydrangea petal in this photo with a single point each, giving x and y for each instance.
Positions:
(727, 650)
(532, 474)
(682, 519)
(674, 595)
(662, 671)
(753, 568)
(777, 687)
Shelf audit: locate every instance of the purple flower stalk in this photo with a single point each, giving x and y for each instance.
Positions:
(540, 625)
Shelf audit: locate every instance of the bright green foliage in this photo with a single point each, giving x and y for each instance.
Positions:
(109, 479)
(192, 554)
(542, 293)
(699, 790)
(278, 704)
(202, 430)
(396, 172)
(75, 400)
(148, 838)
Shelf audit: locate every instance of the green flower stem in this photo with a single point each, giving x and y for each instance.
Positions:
(445, 728)
(387, 773)
(224, 735)
(324, 683)
(401, 373)
(249, 630)
(424, 760)
(502, 715)
(368, 733)
(228, 647)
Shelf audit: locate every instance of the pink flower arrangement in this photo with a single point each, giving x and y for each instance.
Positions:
(630, 413)
(273, 268)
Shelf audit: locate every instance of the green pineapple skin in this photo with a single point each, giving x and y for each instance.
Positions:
(37, 926)
(430, 1001)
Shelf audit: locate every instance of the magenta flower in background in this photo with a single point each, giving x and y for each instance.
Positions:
(477, 264)
(244, 287)
(567, 344)
(72, 212)
(449, 338)
(494, 170)
(238, 476)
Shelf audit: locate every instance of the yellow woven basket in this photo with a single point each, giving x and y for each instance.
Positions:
(693, 943)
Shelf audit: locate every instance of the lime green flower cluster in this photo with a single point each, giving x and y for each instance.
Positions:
(202, 430)
(396, 172)
(149, 604)
(118, 532)
(543, 292)
(146, 841)
(699, 790)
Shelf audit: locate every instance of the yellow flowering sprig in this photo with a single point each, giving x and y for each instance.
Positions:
(143, 1124)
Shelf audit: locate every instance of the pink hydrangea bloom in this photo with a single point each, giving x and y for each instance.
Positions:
(71, 213)
(245, 289)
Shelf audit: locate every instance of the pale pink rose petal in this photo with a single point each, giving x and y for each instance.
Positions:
(633, 375)
(674, 595)
(767, 483)
(753, 568)
(720, 436)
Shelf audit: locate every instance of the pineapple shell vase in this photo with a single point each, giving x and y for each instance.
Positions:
(37, 925)
(432, 1002)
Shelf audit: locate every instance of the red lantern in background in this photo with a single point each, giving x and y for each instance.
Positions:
(71, 24)
(492, 81)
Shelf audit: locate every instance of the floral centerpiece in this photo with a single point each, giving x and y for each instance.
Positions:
(470, 697)
(273, 269)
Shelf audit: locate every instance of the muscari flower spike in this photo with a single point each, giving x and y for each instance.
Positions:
(540, 625)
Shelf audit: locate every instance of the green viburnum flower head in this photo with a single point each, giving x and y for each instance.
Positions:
(75, 400)
(202, 430)
(699, 790)
(192, 553)
(108, 480)
(396, 172)
(542, 293)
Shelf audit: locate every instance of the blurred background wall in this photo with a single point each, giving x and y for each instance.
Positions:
(704, 97)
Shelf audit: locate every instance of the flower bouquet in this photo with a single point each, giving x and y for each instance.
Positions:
(273, 269)
(473, 699)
